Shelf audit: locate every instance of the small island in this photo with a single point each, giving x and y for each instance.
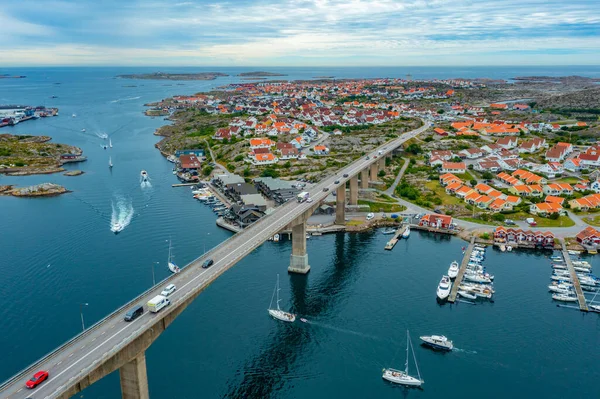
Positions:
(258, 74)
(73, 173)
(174, 76)
(29, 155)
(39, 190)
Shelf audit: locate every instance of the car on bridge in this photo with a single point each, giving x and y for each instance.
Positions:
(325, 188)
(345, 174)
(169, 289)
(336, 182)
(134, 313)
(37, 379)
(207, 263)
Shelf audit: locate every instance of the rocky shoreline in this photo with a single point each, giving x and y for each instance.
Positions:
(38, 190)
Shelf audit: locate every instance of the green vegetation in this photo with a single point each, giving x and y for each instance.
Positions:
(202, 131)
(561, 221)
(382, 206)
(269, 172)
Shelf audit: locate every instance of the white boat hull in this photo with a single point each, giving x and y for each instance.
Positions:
(465, 294)
(283, 316)
(400, 377)
(174, 268)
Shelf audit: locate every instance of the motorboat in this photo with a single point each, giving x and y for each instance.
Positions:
(467, 295)
(278, 313)
(556, 258)
(402, 377)
(144, 175)
(559, 290)
(110, 164)
(581, 269)
(389, 231)
(453, 270)
(572, 252)
(595, 307)
(444, 287)
(83, 130)
(116, 227)
(478, 290)
(583, 263)
(303, 320)
(559, 267)
(480, 247)
(561, 278)
(564, 298)
(406, 232)
(437, 342)
(477, 278)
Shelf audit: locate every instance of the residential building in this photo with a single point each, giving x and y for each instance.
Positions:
(265, 159)
(454, 167)
(507, 142)
(471, 153)
(532, 145)
(320, 150)
(518, 236)
(442, 154)
(443, 222)
(557, 189)
(572, 164)
(591, 201)
(278, 190)
(588, 236)
(528, 177)
(546, 208)
(189, 162)
(261, 143)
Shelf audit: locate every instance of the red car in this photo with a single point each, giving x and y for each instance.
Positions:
(37, 379)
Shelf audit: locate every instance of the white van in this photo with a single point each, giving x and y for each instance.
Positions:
(168, 290)
(157, 303)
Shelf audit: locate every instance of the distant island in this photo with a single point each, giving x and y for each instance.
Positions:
(7, 76)
(174, 76)
(324, 77)
(260, 74)
(39, 190)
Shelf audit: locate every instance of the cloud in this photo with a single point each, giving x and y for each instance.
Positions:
(313, 32)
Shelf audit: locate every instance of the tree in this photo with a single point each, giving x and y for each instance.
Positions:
(499, 217)
(246, 172)
(473, 182)
(270, 172)
(381, 173)
(287, 165)
(554, 216)
(440, 111)
(207, 170)
(414, 148)
(487, 175)
(230, 167)
(238, 158)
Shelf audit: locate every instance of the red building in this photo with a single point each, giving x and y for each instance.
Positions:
(189, 162)
(436, 221)
(517, 236)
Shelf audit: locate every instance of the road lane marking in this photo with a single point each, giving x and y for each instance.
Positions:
(71, 354)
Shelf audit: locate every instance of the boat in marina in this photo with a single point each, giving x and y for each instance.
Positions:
(564, 298)
(389, 231)
(559, 267)
(582, 263)
(596, 308)
(581, 269)
(437, 342)
(453, 270)
(477, 278)
(561, 278)
(556, 258)
(479, 290)
(443, 289)
(572, 252)
(467, 295)
(278, 313)
(406, 232)
(276, 238)
(403, 377)
(172, 266)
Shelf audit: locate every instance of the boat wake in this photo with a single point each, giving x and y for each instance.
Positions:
(464, 351)
(125, 99)
(145, 181)
(342, 330)
(121, 216)
(103, 136)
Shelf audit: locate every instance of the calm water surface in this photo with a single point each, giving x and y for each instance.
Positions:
(56, 253)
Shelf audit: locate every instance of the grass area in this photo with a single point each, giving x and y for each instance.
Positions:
(440, 192)
(385, 198)
(568, 179)
(475, 220)
(382, 206)
(562, 221)
(593, 220)
(355, 223)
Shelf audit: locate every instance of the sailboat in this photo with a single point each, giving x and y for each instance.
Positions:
(172, 266)
(110, 143)
(110, 164)
(402, 377)
(278, 313)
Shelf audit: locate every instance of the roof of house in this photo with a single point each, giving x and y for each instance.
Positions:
(454, 165)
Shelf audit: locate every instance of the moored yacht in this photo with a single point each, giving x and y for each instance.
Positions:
(406, 232)
(453, 270)
(444, 287)
(437, 342)
(564, 298)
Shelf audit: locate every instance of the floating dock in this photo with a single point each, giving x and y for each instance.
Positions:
(392, 243)
(461, 271)
(183, 184)
(574, 279)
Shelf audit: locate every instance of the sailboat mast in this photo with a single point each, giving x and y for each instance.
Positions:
(169, 260)
(415, 359)
(406, 365)
(278, 308)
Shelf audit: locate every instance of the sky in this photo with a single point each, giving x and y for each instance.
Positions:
(299, 32)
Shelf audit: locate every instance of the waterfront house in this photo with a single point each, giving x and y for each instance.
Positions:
(277, 190)
(443, 222)
(236, 190)
(517, 236)
(588, 236)
(189, 162)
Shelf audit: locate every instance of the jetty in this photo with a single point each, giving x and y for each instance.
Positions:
(574, 279)
(461, 271)
(183, 184)
(392, 243)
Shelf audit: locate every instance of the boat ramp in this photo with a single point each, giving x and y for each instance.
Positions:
(574, 279)
(461, 271)
(392, 243)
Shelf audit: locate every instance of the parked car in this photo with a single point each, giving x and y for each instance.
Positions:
(134, 313)
(37, 379)
(336, 182)
(370, 215)
(510, 222)
(326, 189)
(207, 263)
(345, 174)
(169, 289)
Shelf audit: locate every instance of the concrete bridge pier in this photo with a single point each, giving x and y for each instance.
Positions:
(353, 190)
(134, 379)
(299, 257)
(374, 171)
(340, 205)
(382, 164)
(364, 179)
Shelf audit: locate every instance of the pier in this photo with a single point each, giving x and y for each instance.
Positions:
(183, 184)
(574, 279)
(461, 271)
(392, 243)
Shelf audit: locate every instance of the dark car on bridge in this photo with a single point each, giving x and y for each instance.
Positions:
(134, 313)
(326, 189)
(207, 263)
(336, 182)
(37, 379)
(345, 174)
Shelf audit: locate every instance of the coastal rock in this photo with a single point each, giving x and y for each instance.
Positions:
(174, 76)
(73, 173)
(39, 190)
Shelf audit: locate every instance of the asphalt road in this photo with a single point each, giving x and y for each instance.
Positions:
(78, 357)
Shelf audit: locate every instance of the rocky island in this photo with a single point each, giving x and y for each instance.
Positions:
(174, 76)
(259, 74)
(39, 190)
(29, 155)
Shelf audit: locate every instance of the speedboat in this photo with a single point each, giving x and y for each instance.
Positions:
(437, 342)
(83, 130)
(303, 320)
(453, 270)
(444, 287)
(564, 298)
(144, 175)
(116, 228)
(406, 232)
(556, 258)
(389, 231)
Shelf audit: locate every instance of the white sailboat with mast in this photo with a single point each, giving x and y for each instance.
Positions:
(402, 377)
(110, 143)
(278, 313)
(110, 164)
(172, 266)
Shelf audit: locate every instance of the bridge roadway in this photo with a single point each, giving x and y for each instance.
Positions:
(75, 359)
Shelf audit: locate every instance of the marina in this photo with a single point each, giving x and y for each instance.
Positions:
(461, 270)
(574, 280)
(400, 233)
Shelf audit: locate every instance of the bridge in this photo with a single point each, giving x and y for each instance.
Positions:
(113, 344)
